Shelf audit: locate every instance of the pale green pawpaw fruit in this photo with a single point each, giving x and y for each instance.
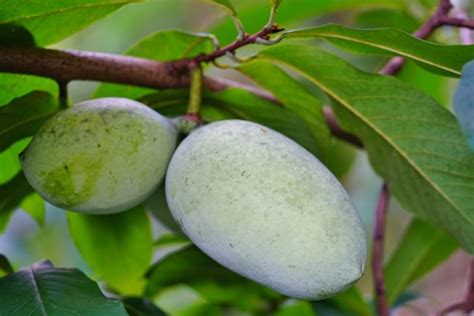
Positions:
(264, 207)
(100, 156)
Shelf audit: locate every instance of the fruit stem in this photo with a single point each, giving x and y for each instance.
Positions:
(195, 95)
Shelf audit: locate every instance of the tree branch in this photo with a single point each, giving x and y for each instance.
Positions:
(378, 250)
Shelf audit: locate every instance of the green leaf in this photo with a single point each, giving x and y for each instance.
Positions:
(50, 21)
(443, 59)
(139, 306)
(298, 99)
(296, 308)
(13, 86)
(188, 266)
(351, 301)
(167, 240)
(34, 205)
(44, 290)
(5, 265)
(24, 116)
(163, 46)
(422, 248)
(11, 195)
(378, 18)
(9, 162)
(412, 142)
(117, 247)
(15, 35)
(225, 4)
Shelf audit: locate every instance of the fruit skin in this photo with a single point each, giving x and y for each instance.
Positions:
(100, 156)
(264, 207)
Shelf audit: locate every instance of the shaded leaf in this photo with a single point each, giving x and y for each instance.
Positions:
(412, 142)
(163, 46)
(422, 248)
(11, 195)
(464, 102)
(382, 17)
(5, 265)
(443, 59)
(23, 116)
(351, 301)
(157, 205)
(139, 306)
(44, 290)
(118, 247)
(15, 35)
(50, 21)
(13, 86)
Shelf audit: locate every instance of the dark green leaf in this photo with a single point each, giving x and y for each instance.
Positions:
(44, 290)
(139, 306)
(11, 195)
(23, 116)
(5, 265)
(443, 59)
(413, 142)
(15, 35)
(162, 46)
(118, 247)
(421, 249)
(188, 266)
(50, 21)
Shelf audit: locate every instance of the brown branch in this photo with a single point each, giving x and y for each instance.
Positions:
(378, 250)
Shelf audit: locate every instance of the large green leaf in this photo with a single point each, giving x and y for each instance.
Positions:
(413, 142)
(421, 249)
(35, 206)
(50, 20)
(351, 301)
(24, 116)
(439, 58)
(44, 290)
(12, 86)
(118, 247)
(163, 46)
(294, 96)
(11, 195)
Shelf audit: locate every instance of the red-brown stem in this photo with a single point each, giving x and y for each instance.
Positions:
(378, 250)
(336, 129)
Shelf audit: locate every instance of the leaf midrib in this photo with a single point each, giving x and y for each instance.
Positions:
(388, 48)
(29, 120)
(38, 298)
(382, 135)
(70, 9)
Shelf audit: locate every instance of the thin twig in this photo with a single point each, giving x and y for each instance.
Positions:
(378, 250)
(337, 131)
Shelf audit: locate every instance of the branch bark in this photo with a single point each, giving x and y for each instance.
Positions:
(378, 251)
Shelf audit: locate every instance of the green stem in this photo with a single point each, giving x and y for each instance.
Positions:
(195, 96)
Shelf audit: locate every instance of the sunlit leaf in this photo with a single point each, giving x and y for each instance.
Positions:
(50, 20)
(35, 206)
(118, 247)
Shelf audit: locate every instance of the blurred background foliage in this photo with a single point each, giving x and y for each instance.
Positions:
(194, 293)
